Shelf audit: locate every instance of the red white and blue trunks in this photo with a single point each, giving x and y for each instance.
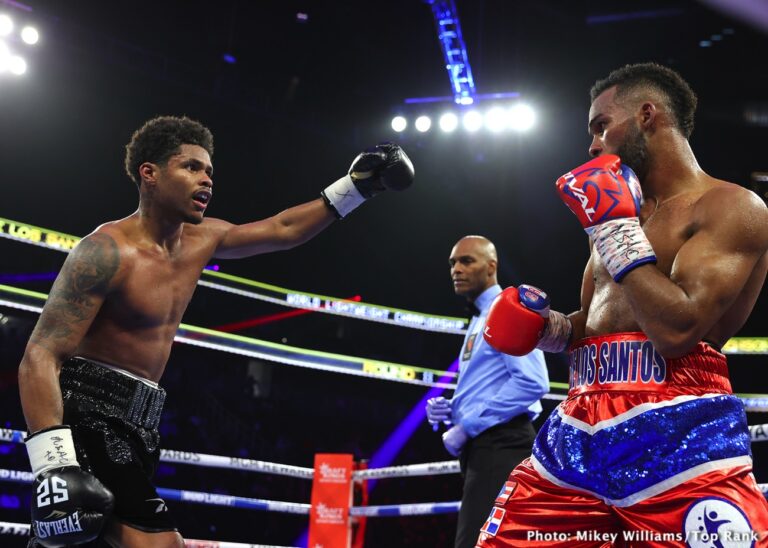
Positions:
(645, 451)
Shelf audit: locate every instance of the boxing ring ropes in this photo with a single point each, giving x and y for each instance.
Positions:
(23, 299)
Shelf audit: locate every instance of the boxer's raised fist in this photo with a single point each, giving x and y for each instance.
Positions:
(383, 167)
(601, 190)
(606, 197)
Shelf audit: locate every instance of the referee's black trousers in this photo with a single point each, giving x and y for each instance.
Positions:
(486, 462)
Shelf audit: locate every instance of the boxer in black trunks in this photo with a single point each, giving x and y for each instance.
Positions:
(88, 378)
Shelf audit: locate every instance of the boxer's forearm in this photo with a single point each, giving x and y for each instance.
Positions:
(669, 316)
(579, 322)
(285, 230)
(303, 222)
(39, 389)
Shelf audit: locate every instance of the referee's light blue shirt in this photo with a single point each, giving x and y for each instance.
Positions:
(494, 388)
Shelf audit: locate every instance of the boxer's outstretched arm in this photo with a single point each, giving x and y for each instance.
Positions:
(380, 168)
(285, 230)
(75, 299)
(710, 271)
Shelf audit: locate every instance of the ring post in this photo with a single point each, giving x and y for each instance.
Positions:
(331, 499)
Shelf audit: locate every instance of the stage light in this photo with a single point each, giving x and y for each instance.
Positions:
(5, 57)
(10, 61)
(17, 65)
(423, 123)
(521, 117)
(30, 35)
(399, 123)
(496, 119)
(473, 121)
(6, 25)
(448, 122)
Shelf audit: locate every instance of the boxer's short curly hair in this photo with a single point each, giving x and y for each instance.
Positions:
(160, 138)
(681, 98)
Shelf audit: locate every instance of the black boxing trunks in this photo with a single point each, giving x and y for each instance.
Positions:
(114, 418)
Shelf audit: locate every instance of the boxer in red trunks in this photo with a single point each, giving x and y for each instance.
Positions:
(650, 448)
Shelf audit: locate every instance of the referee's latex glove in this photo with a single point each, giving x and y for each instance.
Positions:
(438, 410)
(454, 439)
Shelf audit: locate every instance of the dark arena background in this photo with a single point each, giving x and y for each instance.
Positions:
(292, 91)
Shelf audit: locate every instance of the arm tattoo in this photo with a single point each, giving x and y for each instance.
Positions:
(86, 274)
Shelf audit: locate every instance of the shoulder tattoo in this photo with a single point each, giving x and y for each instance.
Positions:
(83, 281)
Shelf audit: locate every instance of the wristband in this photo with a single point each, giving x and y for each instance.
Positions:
(557, 333)
(51, 448)
(342, 196)
(622, 245)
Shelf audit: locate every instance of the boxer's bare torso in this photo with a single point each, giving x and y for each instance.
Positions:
(710, 237)
(146, 288)
(681, 231)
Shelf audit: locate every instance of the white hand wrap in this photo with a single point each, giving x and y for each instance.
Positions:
(622, 245)
(51, 448)
(557, 333)
(343, 196)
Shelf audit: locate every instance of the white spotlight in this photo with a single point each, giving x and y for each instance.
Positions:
(521, 117)
(6, 25)
(17, 65)
(473, 121)
(449, 122)
(30, 35)
(496, 119)
(423, 123)
(5, 57)
(399, 123)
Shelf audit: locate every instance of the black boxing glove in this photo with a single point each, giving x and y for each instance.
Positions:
(383, 167)
(69, 505)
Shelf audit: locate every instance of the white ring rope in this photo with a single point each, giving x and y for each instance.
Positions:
(235, 463)
(396, 510)
(217, 499)
(28, 234)
(374, 313)
(195, 497)
(301, 362)
(426, 469)
(302, 358)
(758, 433)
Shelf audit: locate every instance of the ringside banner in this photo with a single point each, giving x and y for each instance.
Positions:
(331, 499)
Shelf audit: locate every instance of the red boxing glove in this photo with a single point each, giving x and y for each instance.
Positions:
(606, 197)
(600, 190)
(513, 327)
